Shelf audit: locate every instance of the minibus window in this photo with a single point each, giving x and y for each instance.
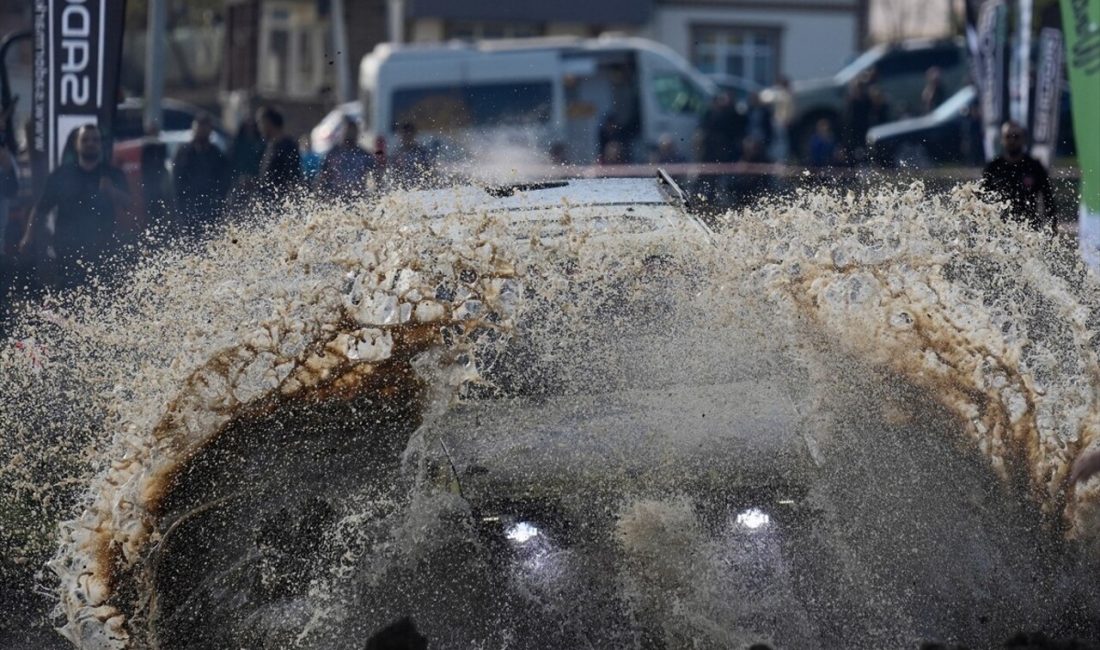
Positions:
(442, 108)
(675, 93)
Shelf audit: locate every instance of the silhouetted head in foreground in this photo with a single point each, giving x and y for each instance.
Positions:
(399, 635)
(1024, 641)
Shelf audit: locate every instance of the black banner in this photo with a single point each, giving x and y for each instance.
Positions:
(1048, 95)
(992, 42)
(77, 52)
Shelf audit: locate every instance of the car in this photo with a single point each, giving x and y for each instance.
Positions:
(176, 116)
(899, 70)
(644, 211)
(644, 223)
(330, 130)
(952, 133)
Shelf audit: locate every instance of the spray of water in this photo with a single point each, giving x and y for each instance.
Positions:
(830, 354)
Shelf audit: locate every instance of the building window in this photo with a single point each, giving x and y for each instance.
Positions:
(746, 52)
(477, 30)
(292, 46)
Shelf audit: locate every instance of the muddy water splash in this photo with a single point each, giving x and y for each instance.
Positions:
(205, 356)
(997, 322)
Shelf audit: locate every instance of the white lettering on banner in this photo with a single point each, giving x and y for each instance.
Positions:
(74, 89)
(76, 55)
(80, 28)
(76, 29)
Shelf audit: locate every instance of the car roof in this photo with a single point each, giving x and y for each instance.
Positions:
(539, 195)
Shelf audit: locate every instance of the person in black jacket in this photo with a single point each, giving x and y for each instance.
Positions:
(280, 173)
(1020, 180)
(201, 173)
(89, 195)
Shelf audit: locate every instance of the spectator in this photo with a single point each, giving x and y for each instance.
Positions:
(411, 162)
(783, 108)
(721, 128)
(880, 109)
(558, 154)
(758, 121)
(399, 635)
(155, 191)
(311, 160)
(822, 144)
(280, 173)
(613, 153)
(667, 153)
(201, 177)
(612, 130)
(9, 182)
(750, 185)
(858, 115)
(88, 195)
(245, 153)
(933, 93)
(347, 167)
(1020, 180)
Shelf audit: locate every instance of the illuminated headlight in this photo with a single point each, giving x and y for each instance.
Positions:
(521, 532)
(753, 519)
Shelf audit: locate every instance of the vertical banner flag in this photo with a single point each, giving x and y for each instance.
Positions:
(1048, 96)
(992, 38)
(1021, 70)
(77, 52)
(1081, 26)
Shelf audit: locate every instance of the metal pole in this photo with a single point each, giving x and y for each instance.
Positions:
(155, 35)
(397, 21)
(340, 44)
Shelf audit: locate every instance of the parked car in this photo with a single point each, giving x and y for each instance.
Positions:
(951, 134)
(330, 130)
(176, 116)
(899, 70)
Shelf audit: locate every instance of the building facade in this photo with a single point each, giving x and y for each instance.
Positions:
(760, 40)
(283, 50)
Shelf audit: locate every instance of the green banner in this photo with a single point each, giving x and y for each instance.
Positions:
(1081, 25)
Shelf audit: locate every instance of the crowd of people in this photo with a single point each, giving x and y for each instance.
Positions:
(87, 209)
(75, 219)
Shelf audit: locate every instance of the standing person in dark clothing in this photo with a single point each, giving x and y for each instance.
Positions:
(859, 113)
(202, 178)
(280, 172)
(1018, 179)
(933, 93)
(245, 153)
(722, 128)
(347, 167)
(88, 195)
(411, 162)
